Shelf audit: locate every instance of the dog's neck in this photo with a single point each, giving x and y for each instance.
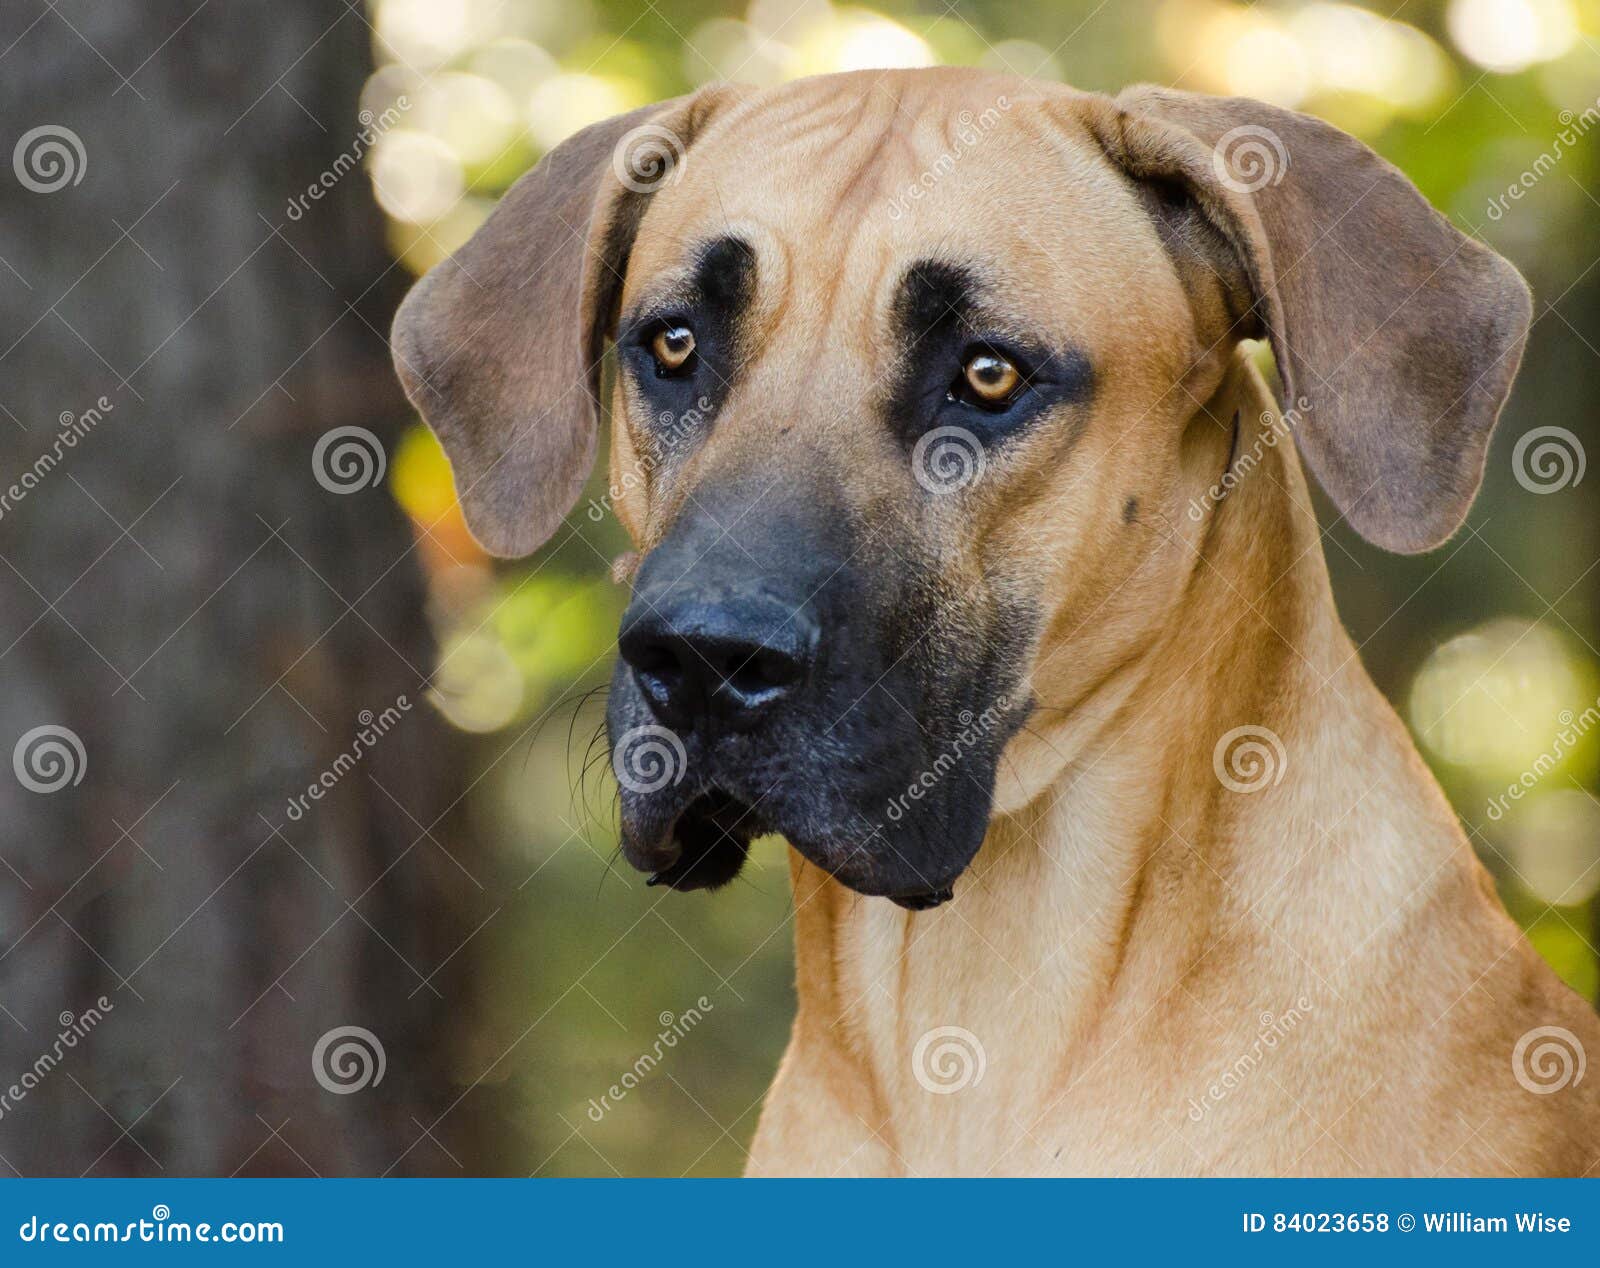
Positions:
(1109, 890)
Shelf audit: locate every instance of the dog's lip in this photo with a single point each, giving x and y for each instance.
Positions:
(924, 901)
(853, 866)
(697, 834)
(703, 844)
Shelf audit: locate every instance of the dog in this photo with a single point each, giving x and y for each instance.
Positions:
(974, 557)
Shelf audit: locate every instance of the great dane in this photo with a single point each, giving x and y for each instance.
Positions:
(974, 557)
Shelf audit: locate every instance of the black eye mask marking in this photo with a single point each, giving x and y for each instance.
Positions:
(711, 305)
(944, 316)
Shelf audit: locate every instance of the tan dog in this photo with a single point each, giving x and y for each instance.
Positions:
(970, 552)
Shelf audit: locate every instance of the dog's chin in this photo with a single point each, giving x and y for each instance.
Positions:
(874, 875)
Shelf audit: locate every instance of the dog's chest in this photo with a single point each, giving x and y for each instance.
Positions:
(961, 1031)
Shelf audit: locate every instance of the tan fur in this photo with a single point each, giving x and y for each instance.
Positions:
(1129, 922)
(1131, 928)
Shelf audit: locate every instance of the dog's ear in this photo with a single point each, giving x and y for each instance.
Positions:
(499, 347)
(1400, 333)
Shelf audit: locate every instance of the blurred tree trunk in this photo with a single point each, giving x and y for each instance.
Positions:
(181, 593)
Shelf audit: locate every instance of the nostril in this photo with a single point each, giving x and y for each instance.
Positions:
(755, 676)
(748, 680)
(652, 658)
(708, 661)
(658, 668)
(763, 670)
(781, 668)
(751, 678)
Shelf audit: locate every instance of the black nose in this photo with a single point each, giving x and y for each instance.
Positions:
(722, 663)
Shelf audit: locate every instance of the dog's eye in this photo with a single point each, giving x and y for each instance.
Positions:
(987, 380)
(672, 347)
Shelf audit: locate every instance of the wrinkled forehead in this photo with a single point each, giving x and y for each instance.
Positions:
(843, 185)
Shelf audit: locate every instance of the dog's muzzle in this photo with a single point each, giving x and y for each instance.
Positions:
(711, 662)
(761, 688)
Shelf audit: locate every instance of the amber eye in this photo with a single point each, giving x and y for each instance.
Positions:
(672, 347)
(990, 378)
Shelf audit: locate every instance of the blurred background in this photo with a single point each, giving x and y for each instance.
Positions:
(246, 572)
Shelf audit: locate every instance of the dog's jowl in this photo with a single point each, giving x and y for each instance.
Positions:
(976, 561)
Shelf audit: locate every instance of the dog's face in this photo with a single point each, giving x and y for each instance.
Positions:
(869, 426)
(913, 376)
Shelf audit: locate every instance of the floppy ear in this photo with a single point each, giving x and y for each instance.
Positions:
(1402, 333)
(499, 347)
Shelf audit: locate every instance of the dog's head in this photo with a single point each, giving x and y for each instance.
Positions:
(914, 373)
